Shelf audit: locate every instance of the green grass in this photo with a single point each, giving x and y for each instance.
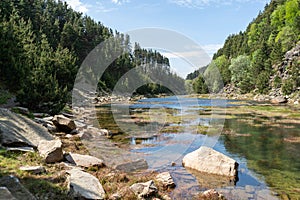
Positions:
(49, 185)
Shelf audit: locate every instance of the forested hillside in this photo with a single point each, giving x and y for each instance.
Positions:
(43, 43)
(249, 60)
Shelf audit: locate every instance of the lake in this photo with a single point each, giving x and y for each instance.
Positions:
(163, 130)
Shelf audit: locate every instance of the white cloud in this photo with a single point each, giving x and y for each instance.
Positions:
(78, 5)
(210, 49)
(101, 8)
(203, 3)
(119, 2)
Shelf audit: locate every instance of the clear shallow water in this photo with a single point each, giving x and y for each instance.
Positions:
(260, 153)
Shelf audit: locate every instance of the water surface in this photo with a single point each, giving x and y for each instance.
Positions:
(269, 165)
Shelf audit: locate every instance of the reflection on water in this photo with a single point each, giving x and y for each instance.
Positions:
(265, 159)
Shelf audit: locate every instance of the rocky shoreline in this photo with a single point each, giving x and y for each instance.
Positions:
(58, 143)
(48, 138)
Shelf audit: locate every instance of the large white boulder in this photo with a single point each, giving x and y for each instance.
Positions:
(207, 160)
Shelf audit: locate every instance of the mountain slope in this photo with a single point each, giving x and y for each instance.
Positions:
(249, 60)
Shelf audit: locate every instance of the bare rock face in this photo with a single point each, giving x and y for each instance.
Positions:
(51, 150)
(19, 131)
(63, 123)
(84, 160)
(6, 194)
(15, 188)
(84, 186)
(146, 189)
(166, 179)
(207, 160)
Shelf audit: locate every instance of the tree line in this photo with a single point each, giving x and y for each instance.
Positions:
(43, 43)
(247, 58)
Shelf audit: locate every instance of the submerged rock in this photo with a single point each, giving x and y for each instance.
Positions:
(207, 160)
(132, 166)
(248, 192)
(84, 185)
(211, 195)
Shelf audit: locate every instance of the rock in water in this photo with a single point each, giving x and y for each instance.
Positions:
(63, 123)
(142, 190)
(207, 160)
(84, 160)
(132, 166)
(212, 195)
(84, 185)
(51, 150)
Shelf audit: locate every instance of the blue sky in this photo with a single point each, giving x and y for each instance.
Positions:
(207, 22)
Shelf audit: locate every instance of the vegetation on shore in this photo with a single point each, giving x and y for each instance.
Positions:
(53, 183)
(250, 60)
(44, 43)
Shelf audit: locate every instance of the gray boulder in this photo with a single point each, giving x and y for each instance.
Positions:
(146, 189)
(16, 188)
(19, 131)
(5, 194)
(84, 185)
(63, 123)
(51, 150)
(207, 160)
(84, 160)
